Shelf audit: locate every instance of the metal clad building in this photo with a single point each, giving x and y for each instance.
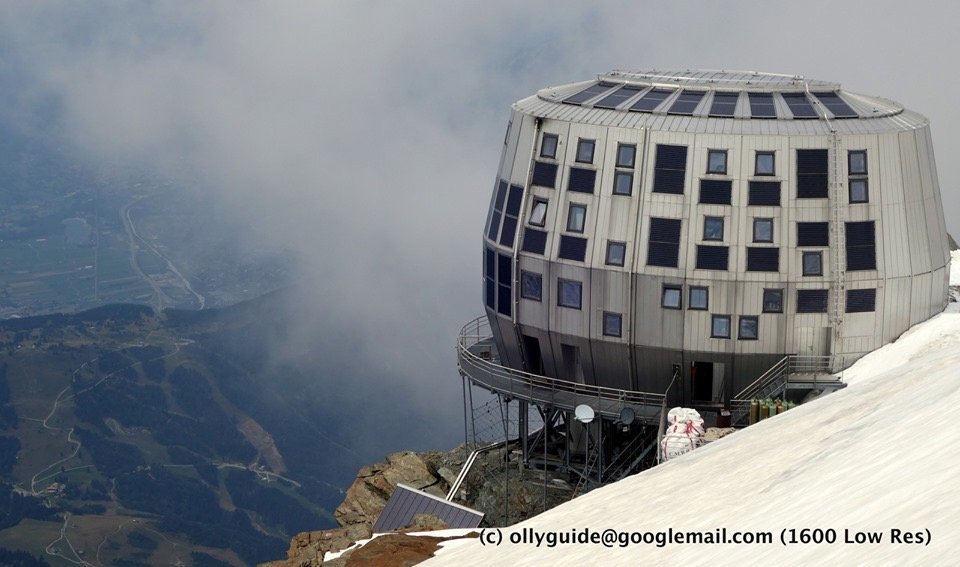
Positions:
(712, 221)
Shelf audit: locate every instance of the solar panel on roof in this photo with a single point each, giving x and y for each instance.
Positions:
(617, 97)
(406, 502)
(686, 102)
(651, 100)
(589, 92)
(761, 105)
(724, 104)
(799, 105)
(835, 104)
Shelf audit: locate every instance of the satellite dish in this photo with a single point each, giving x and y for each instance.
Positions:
(583, 413)
(627, 415)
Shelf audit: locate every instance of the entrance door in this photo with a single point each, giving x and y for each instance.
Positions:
(533, 359)
(572, 370)
(701, 381)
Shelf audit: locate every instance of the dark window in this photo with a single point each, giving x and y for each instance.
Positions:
(861, 300)
(623, 183)
(699, 298)
(569, 293)
(671, 164)
(509, 231)
(857, 162)
(581, 180)
(720, 327)
(763, 230)
(616, 253)
(811, 301)
(538, 212)
(861, 246)
(626, 155)
(589, 92)
(612, 324)
(715, 192)
(712, 257)
(835, 104)
(857, 182)
(811, 174)
(773, 301)
(764, 193)
(534, 240)
(713, 228)
(812, 263)
(548, 146)
(501, 195)
(671, 297)
(664, 249)
(504, 283)
(859, 192)
(717, 161)
(504, 300)
(489, 263)
(504, 269)
(651, 100)
(748, 328)
(761, 105)
(585, 150)
(531, 286)
(765, 163)
(489, 277)
(572, 248)
(724, 104)
(813, 234)
(686, 103)
(799, 105)
(544, 174)
(763, 259)
(576, 217)
(514, 201)
(617, 97)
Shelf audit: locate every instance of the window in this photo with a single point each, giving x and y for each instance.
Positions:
(764, 193)
(664, 246)
(538, 212)
(813, 234)
(764, 164)
(813, 263)
(534, 240)
(531, 286)
(504, 284)
(489, 276)
(748, 328)
(699, 298)
(858, 191)
(712, 257)
(616, 253)
(773, 301)
(576, 217)
(572, 248)
(857, 162)
(861, 246)
(569, 293)
(548, 146)
(761, 105)
(612, 324)
(861, 300)
(720, 327)
(623, 183)
(670, 169)
(715, 191)
(544, 174)
(626, 155)
(811, 301)
(671, 297)
(764, 259)
(713, 228)
(582, 180)
(763, 230)
(717, 161)
(585, 150)
(509, 230)
(812, 174)
(857, 182)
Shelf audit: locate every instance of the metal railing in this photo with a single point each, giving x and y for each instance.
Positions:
(477, 358)
(774, 381)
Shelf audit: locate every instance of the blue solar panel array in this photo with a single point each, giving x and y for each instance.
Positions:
(835, 104)
(651, 100)
(687, 102)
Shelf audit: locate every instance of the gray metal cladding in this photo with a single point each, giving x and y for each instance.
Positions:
(407, 502)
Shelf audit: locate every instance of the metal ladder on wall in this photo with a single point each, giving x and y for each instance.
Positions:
(838, 238)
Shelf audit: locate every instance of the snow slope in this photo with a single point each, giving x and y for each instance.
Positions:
(876, 456)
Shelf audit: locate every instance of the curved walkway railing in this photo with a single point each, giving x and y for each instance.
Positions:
(478, 360)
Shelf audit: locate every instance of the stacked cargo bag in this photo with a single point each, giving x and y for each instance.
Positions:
(684, 429)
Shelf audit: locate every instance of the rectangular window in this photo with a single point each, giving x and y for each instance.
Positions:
(626, 155)
(623, 183)
(664, 247)
(861, 246)
(585, 150)
(670, 169)
(544, 174)
(813, 263)
(812, 174)
(857, 180)
(699, 298)
(717, 162)
(813, 234)
(671, 297)
(612, 324)
(582, 180)
(763, 259)
(504, 283)
(499, 197)
(763, 230)
(489, 274)
(715, 191)
(773, 301)
(576, 217)
(720, 327)
(548, 146)
(749, 328)
(572, 248)
(713, 228)
(857, 162)
(764, 193)
(534, 240)
(765, 164)
(538, 212)
(861, 300)
(569, 293)
(859, 193)
(812, 300)
(712, 257)
(531, 286)
(616, 253)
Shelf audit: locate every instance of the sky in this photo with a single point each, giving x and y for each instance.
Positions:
(364, 136)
